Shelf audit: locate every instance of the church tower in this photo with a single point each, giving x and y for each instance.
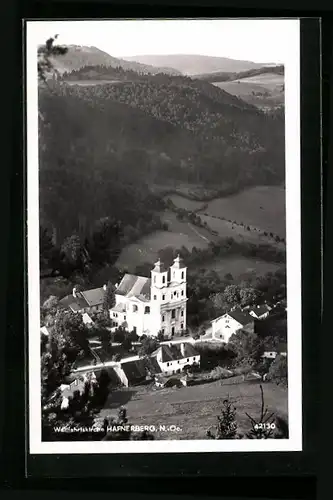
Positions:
(158, 295)
(175, 313)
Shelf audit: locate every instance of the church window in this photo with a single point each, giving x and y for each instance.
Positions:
(147, 310)
(182, 292)
(163, 279)
(135, 308)
(188, 359)
(124, 318)
(173, 313)
(163, 318)
(163, 297)
(168, 364)
(182, 312)
(155, 297)
(182, 275)
(182, 326)
(173, 330)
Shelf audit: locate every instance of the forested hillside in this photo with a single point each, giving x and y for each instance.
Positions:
(102, 146)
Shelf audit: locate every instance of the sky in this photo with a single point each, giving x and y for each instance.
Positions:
(259, 40)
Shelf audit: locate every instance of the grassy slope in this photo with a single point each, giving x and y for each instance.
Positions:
(195, 408)
(262, 207)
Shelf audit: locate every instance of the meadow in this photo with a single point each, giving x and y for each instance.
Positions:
(262, 207)
(241, 268)
(245, 88)
(194, 409)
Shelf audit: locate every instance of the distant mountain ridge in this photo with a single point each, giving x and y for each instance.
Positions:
(192, 64)
(80, 56)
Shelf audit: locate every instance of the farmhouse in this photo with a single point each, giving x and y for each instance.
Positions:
(226, 325)
(84, 302)
(260, 312)
(152, 305)
(172, 358)
(280, 350)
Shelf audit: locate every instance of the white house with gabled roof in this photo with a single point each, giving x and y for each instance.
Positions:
(229, 323)
(152, 305)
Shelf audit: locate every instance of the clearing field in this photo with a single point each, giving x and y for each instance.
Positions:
(91, 83)
(268, 80)
(226, 229)
(146, 249)
(241, 268)
(194, 409)
(240, 87)
(262, 207)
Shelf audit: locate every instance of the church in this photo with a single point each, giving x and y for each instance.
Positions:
(148, 306)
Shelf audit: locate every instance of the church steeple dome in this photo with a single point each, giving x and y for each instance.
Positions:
(159, 267)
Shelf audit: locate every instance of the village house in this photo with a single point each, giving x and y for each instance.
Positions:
(229, 323)
(152, 305)
(272, 354)
(78, 384)
(172, 358)
(260, 312)
(87, 301)
(135, 370)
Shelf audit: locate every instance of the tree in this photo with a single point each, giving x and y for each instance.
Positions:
(226, 426)
(71, 251)
(148, 346)
(44, 54)
(278, 371)
(109, 297)
(261, 428)
(247, 347)
(248, 296)
(231, 295)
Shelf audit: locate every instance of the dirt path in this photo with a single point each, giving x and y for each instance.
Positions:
(198, 234)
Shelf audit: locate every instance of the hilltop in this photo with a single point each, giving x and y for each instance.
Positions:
(193, 64)
(79, 56)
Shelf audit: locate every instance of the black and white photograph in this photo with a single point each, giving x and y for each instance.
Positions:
(164, 235)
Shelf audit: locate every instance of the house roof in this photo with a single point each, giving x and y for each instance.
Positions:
(259, 310)
(134, 370)
(135, 286)
(173, 352)
(243, 317)
(282, 347)
(88, 298)
(94, 297)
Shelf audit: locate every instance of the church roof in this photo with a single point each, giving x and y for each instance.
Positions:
(160, 267)
(178, 263)
(134, 286)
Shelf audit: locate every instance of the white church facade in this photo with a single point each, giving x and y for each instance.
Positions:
(148, 306)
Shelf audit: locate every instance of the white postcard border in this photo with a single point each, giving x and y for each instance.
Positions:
(289, 28)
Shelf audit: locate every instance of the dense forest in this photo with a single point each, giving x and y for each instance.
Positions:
(103, 146)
